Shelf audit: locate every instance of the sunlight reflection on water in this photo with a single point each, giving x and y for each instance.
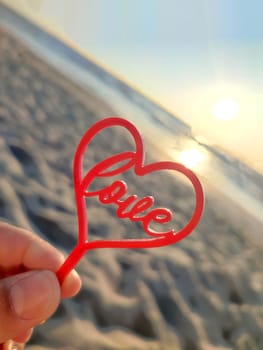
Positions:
(191, 158)
(209, 167)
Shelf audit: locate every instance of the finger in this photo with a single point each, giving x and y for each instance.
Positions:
(24, 337)
(31, 252)
(25, 301)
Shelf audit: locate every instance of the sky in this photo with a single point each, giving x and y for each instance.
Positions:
(188, 55)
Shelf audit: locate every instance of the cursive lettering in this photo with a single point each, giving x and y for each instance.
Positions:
(131, 207)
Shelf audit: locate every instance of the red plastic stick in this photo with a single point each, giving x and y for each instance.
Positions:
(131, 207)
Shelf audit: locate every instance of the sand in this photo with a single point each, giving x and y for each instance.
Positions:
(204, 293)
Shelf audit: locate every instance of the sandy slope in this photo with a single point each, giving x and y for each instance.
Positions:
(204, 293)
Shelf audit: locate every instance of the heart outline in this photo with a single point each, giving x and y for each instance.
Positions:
(140, 169)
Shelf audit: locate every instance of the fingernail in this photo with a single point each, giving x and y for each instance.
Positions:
(13, 346)
(32, 296)
(16, 346)
(10, 345)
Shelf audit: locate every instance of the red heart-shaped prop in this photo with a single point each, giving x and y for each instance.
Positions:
(114, 192)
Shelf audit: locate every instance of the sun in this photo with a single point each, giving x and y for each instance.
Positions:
(226, 109)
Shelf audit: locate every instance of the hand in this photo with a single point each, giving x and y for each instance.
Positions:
(29, 290)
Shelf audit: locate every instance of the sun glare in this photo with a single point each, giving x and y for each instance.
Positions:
(226, 109)
(191, 158)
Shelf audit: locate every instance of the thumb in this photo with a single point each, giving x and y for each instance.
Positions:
(26, 300)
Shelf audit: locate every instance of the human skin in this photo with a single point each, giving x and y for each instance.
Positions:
(29, 289)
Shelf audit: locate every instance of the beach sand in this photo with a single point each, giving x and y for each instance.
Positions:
(204, 293)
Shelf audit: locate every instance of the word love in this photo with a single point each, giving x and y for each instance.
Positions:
(130, 207)
(113, 194)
